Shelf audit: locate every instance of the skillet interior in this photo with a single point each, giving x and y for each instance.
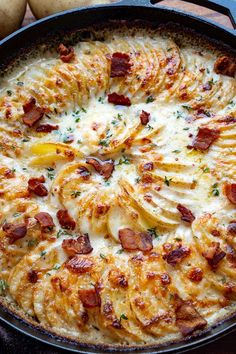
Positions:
(71, 17)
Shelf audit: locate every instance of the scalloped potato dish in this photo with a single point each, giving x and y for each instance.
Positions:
(118, 186)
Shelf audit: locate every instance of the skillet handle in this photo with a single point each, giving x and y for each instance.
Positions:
(226, 7)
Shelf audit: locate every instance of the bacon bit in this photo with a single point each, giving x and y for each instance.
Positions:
(45, 220)
(95, 126)
(9, 173)
(147, 198)
(145, 117)
(147, 178)
(90, 298)
(195, 274)
(109, 314)
(148, 166)
(101, 209)
(207, 87)
(188, 319)
(79, 264)
(81, 245)
(46, 128)
(58, 284)
(205, 137)
(232, 228)
(165, 279)
(139, 303)
(227, 120)
(83, 172)
(66, 54)
(65, 220)
(120, 64)
(187, 215)
(214, 254)
(32, 276)
(120, 100)
(215, 233)
(133, 241)
(32, 113)
(36, 186)
(225, 66)
(117, 279)
(230, 191)
(177, 255)
(104, 168)
(14, 231)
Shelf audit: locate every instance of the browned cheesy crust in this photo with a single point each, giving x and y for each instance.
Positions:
(118, 188)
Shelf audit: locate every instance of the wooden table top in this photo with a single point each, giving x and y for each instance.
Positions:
(12, 342)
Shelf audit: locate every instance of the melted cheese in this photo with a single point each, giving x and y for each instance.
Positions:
(166, 81)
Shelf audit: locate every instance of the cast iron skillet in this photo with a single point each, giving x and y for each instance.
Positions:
(11, 46)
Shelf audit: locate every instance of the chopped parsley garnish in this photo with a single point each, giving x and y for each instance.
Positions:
(153, 232)
(206, 170)
(101, 99)
(20, 83)
(51, 173)
(123, 317)
(9, 92)
(62, 232)
(138, 179)
(102, 256)
(167, 181)
(176, 151)
(215, 190)
(3, 286)
(75, 194)
(56, 267)
(189, 108)
(42, 253)
(16, 214)
(149, 127)
(25, 140)
(179, 115)
(120, 251)
(150, 99)
(32, 243)
(124, 160)
(103, 142)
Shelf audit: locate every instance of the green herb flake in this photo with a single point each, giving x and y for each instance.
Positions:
(51, 173)
(9, 93)
(124, 160)
(42, 253)
(120, 251)
(176, 151)
(215, 190)
(167, 181)
(206, 170)
(16, 215)
(123, 317)
(3, 286)
(56, 267)
(150, 99)
(102, 256)
(188, 108)
(153, 232)
(75, 194)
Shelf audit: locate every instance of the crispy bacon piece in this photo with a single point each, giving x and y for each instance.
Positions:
(9, 173)
(32, 112)
(65, 220)
(132, 241)
(89, 297)
(83, 172)
(230, 191)
(204, 138)
(45, 220)
(225, 66)
(232, 228)
(195, 274)
(117, 279)
(177, 255)
(66, 54)
(145, 117)
(148, 166)
(36, 186)
(120, 100)
(227, 120)
(108, 312)
(214, 254)
(46, 128)
(186, 214)
(120, 64)
(188, 319)
(165, 279)
(32, 276)
(104, 168)
(79, 264)
(81, 245)
(14, 231)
